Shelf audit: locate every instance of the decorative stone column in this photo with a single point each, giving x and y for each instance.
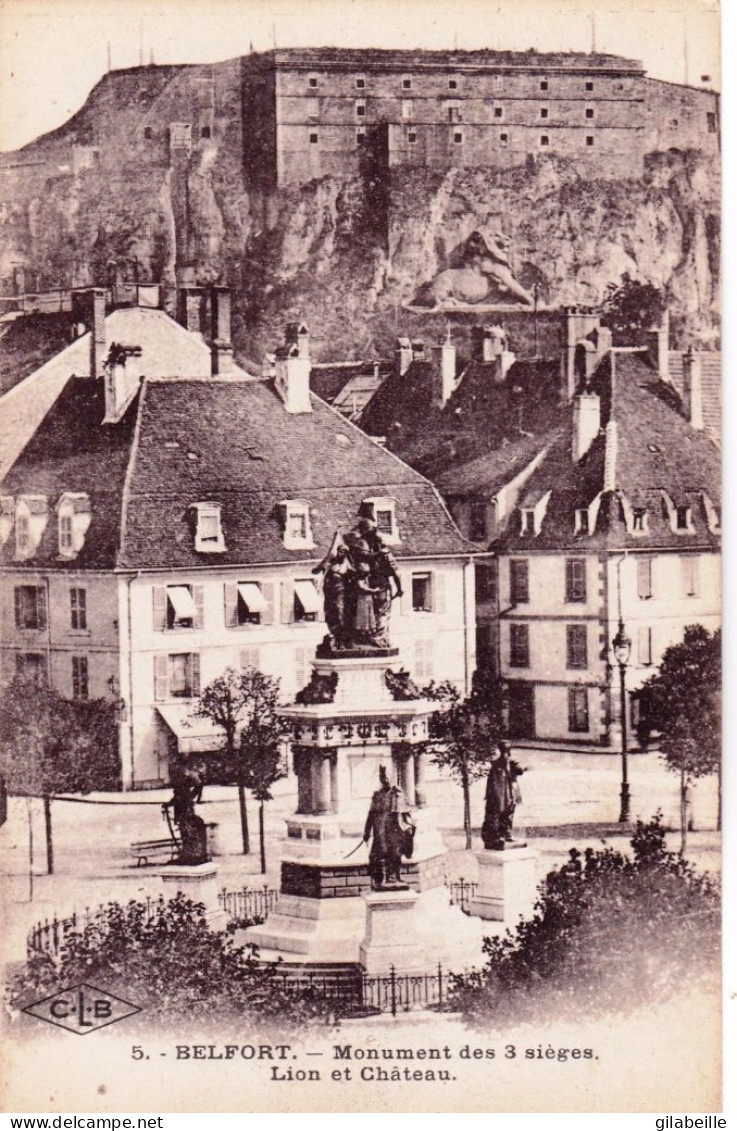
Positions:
(321, 777)
(420, 764)
(303, 770)
(406, 773)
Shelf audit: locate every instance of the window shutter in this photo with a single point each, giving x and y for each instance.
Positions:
(41, 606)
(161, 677)
(198, 596)
(251, 658)
(159, 596)
(406, 598)
(231, 604)
(287, 601)
(195, 674)
(18, 608)
(645, 645)
(438, 592)
(301, 667)
(267, 591)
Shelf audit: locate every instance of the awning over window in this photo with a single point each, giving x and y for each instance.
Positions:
(252, 597)
(307, 596)
(193, 735)
(182, 603)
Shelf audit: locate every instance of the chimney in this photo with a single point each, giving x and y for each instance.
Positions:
(122, 379)
(657, 348)
(220, 345)
(88, 314)
(692, 406)
(403, 352)
(579, 322)
(610, 457)
(190, 301)
(292, 370)
(586, 423)
(444, 371)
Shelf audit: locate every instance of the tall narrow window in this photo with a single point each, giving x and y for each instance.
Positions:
(644, 578)
(519, 581)
(80, 677)
(576, 646)
(578, 709)
(690, 571)
(644, 645)
(30, 607)
(78, 608)
(519, 646)
(575, 579)
(66, 533)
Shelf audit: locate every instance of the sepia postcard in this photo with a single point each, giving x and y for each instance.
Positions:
(360, 557)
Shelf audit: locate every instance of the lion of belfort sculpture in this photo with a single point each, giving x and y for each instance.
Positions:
(483, 278)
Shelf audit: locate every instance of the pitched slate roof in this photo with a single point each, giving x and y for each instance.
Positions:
(480, 420)
(73, 451)
(657, 451)
(234, 443)
(28, 342)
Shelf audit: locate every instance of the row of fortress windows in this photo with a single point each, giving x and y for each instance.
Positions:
(454, 110)
(406, 83)
(411, 136)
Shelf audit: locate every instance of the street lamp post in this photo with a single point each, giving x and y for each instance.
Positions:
(621, 646)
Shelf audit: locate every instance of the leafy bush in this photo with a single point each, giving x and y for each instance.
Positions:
(169, 962)
(609, 932)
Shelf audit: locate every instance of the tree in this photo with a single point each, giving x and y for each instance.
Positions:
(464, 733)
(683, 702)
(245, 706)
(629, 308)
(50, 745)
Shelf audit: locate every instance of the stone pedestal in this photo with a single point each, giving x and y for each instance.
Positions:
(199, 883)
(391, 937)
(507, 884)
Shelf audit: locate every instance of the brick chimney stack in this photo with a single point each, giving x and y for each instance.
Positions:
(692, 404)
(88, 315)
(657, 348)
(292, 369)
(190, 304)
(444, 371)
(403, 353)
(220, 346)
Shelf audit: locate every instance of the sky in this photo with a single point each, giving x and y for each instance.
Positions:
(52, 52)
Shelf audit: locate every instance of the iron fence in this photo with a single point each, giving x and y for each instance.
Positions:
(353, 992)
(461, 892)
(49, 936)
(253, 904)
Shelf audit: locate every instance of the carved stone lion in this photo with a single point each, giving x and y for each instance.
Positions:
(483, 276)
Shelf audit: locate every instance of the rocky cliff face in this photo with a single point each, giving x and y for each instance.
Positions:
(345, 255)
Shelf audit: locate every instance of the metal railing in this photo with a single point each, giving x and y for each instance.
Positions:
(49, 936)
(352, 992)
(253, 904)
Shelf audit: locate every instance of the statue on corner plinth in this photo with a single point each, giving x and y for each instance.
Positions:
(391, 832)
(192, 830)
(503, 794)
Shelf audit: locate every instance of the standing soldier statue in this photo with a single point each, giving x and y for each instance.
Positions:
(502, 797)
(391, 831)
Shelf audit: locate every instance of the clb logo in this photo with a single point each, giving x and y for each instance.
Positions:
(82, 1009)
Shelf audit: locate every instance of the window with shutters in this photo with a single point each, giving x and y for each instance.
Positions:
(644, 578)
(383, 513)
(80, 678)
(177, 676)
(644, 645)
(424, 659)
(519, 646)
(249, 602)
(519, 581)
(250, 658)
(690, 572)
(576, 646)
(31, 667)
(306, 600)
(183, 606)
(422, 593)
(300, 667)
(578, 709)
(30, 607)
(78, 609)
(575, 579)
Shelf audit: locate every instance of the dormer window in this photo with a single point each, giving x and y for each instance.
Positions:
(581, 524)
(713, 515)
(31, 516)
(683, 518)
(73, 510)
(209, 537)
(7, 512)
(383, 513)
(527, 521)
(297, 528)
(639, 520)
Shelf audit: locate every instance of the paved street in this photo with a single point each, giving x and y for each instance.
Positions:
(561, 793)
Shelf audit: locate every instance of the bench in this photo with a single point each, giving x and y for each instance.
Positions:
(146, 850)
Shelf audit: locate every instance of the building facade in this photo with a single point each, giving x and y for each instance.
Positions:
(318, 112)
(158, 530)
